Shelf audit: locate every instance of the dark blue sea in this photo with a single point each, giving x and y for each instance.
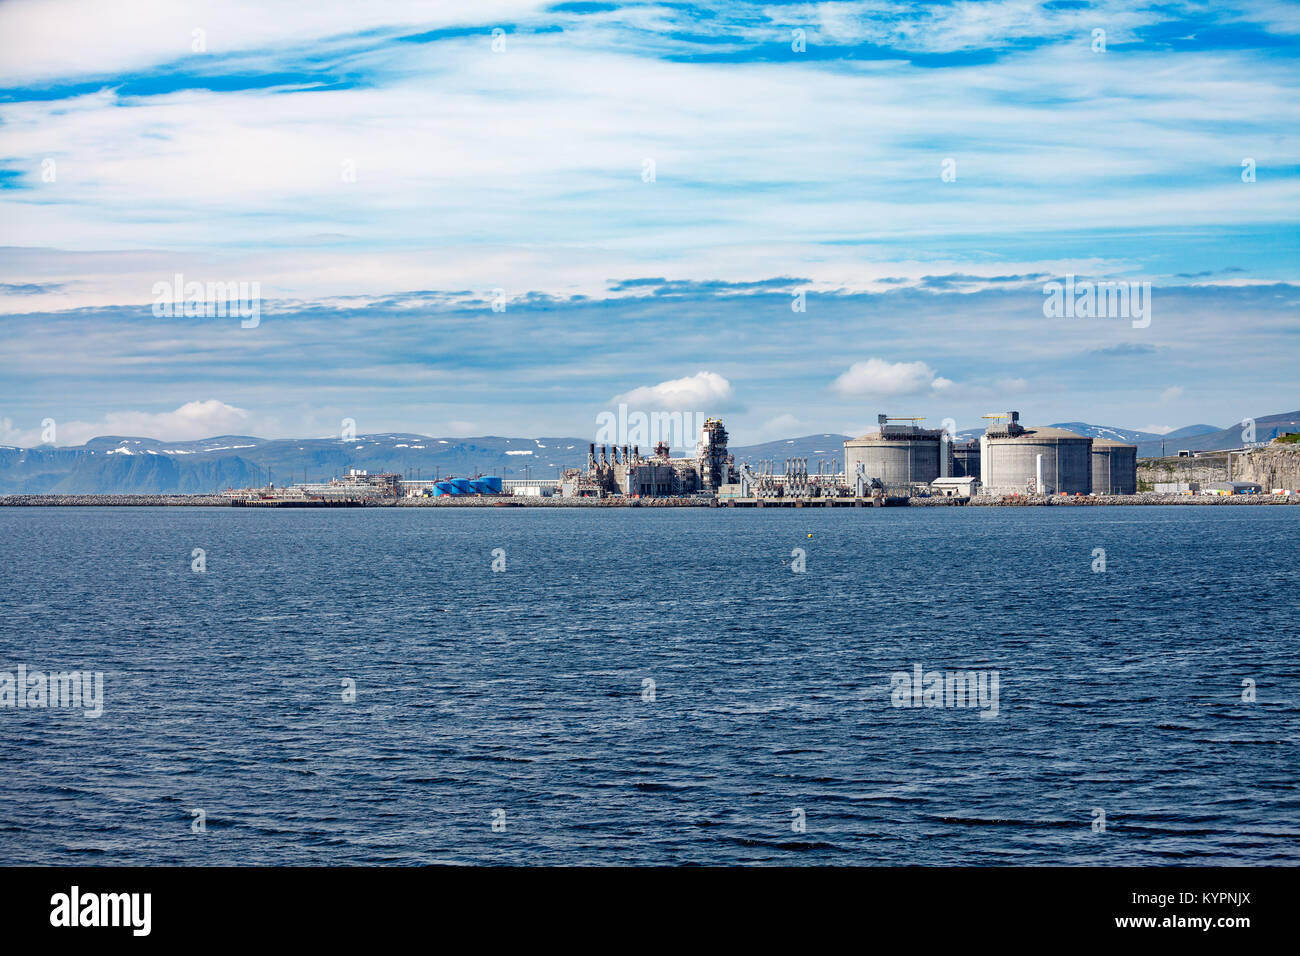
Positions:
(520, 697)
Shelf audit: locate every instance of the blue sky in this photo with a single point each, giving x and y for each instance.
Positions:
(381, 170)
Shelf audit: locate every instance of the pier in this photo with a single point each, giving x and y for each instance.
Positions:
(876, 501)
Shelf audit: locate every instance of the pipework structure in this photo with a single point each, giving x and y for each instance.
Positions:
(794, 480)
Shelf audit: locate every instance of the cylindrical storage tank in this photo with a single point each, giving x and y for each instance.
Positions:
(1114, 467)
(493, 483)
(443, 488)
(1009, 463)
(966, 460)
(896, 461)
(462, 486)
(481, 487)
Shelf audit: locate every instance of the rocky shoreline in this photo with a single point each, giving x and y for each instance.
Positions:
(115, 501)
(990, 501)
(1084, 501)
(216, 501)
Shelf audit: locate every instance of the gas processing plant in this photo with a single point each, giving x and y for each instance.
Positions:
(899, 462)
(903, 460)
(633, 475)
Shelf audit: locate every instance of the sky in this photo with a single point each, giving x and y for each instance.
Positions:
(507, 218)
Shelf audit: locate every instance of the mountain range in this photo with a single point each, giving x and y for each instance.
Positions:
(128, 465)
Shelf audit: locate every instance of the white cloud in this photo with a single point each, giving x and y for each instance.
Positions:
(703, 391)
(1172, 394)
(780, 426)
(532, 175)
(40, 40)
(781, 422)
(484, 145)
(191, 421)
(964, 25)
(876, 378)
(10, 435)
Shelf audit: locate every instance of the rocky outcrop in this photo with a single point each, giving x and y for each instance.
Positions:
(1276, 466)
(1273, 466)
(1205, 468)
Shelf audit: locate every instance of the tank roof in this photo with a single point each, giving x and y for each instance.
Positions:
(919, 434)
(1108, 443)
(1038, 433)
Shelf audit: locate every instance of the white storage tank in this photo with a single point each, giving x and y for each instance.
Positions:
(1039, 459)
(900, 455)
(1114, 467)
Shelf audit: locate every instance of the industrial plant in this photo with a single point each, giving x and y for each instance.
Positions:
(901, 462)
(633, 475)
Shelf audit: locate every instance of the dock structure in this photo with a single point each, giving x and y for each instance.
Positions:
(287, 502)
(873, 501)
(355, 489)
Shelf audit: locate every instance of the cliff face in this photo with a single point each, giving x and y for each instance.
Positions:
(1205, 469)
(1275, 466)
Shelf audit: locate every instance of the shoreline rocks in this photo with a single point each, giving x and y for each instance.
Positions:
(981, 501)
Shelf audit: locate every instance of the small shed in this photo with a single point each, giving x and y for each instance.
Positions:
(965, 486)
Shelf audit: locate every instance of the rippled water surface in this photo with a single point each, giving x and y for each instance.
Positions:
(524, 690)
